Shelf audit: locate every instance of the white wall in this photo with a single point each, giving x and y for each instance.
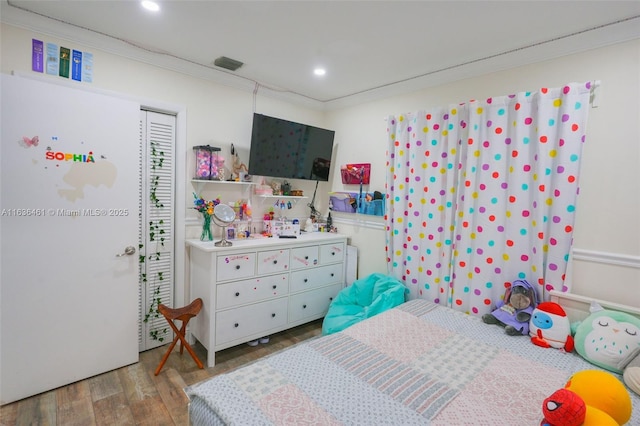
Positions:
(215, 114)
(608, 216)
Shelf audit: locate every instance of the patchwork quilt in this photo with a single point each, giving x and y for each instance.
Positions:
(416, 364)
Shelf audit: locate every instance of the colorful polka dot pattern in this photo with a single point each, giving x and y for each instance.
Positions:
(484, 193)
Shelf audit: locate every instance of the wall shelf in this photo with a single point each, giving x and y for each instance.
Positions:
(281, 198)
(198, 184)
(284, 197)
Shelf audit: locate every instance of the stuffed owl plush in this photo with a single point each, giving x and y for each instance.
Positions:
(606, 338)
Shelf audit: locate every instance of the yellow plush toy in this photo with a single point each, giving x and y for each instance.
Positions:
(605, 397)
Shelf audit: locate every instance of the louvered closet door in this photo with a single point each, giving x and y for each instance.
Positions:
(157, 136)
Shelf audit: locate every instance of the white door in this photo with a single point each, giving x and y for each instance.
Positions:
(69, 205)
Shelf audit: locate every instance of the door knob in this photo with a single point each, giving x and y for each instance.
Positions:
(128, 251)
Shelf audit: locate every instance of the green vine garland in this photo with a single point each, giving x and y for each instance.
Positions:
(156, 233)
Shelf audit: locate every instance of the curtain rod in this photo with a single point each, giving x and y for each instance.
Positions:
(593, 97)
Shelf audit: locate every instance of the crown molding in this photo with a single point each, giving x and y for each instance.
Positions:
(545, 50)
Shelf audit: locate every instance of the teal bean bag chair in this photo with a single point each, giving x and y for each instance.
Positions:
(364, 298)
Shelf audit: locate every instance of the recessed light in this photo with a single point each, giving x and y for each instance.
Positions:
(319, 71)
(150, 5)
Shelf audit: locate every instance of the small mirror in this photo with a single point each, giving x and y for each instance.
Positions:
(223, 215)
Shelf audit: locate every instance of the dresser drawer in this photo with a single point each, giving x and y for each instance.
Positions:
(252, 290)
(273, 261)
(316, 277)
(312, 303)
(304, 257)
(238, 323)
(330, 253)
(235, 266)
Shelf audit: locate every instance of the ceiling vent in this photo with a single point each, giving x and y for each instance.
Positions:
(227, 63)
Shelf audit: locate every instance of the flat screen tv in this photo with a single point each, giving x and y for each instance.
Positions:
(290, 150)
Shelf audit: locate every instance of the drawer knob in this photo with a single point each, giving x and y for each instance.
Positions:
(306, 258)
(237, 267)
(306, 279)
(273, 315)
(333, 253)
(275, 261)
(332, 274)
(304, 306)
(331, 298)
(274, 286)
(237, 293)
(236, 325)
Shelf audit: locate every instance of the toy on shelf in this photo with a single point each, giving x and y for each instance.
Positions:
(238, 166)
(209, 164)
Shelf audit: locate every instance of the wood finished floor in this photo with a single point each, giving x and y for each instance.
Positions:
(133, 395)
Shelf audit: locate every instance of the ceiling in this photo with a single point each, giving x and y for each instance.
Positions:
(370, 49)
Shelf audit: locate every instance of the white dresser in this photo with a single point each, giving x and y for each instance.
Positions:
(261, 286)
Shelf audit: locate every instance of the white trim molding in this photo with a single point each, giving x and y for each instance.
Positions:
(360, 220)
(607, 258)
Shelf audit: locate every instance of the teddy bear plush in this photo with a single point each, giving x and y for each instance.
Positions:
(514, 311)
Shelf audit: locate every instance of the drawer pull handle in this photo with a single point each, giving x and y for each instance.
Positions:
(236, 325)
(273, 315)
(237, 267)
(304, 306)
(237, 293)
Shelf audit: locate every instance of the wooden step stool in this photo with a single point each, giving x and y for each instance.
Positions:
(183, 314)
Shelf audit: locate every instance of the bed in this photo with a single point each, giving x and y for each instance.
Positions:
(415, 364)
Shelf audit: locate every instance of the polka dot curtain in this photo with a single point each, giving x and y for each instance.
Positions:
(484, 193)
